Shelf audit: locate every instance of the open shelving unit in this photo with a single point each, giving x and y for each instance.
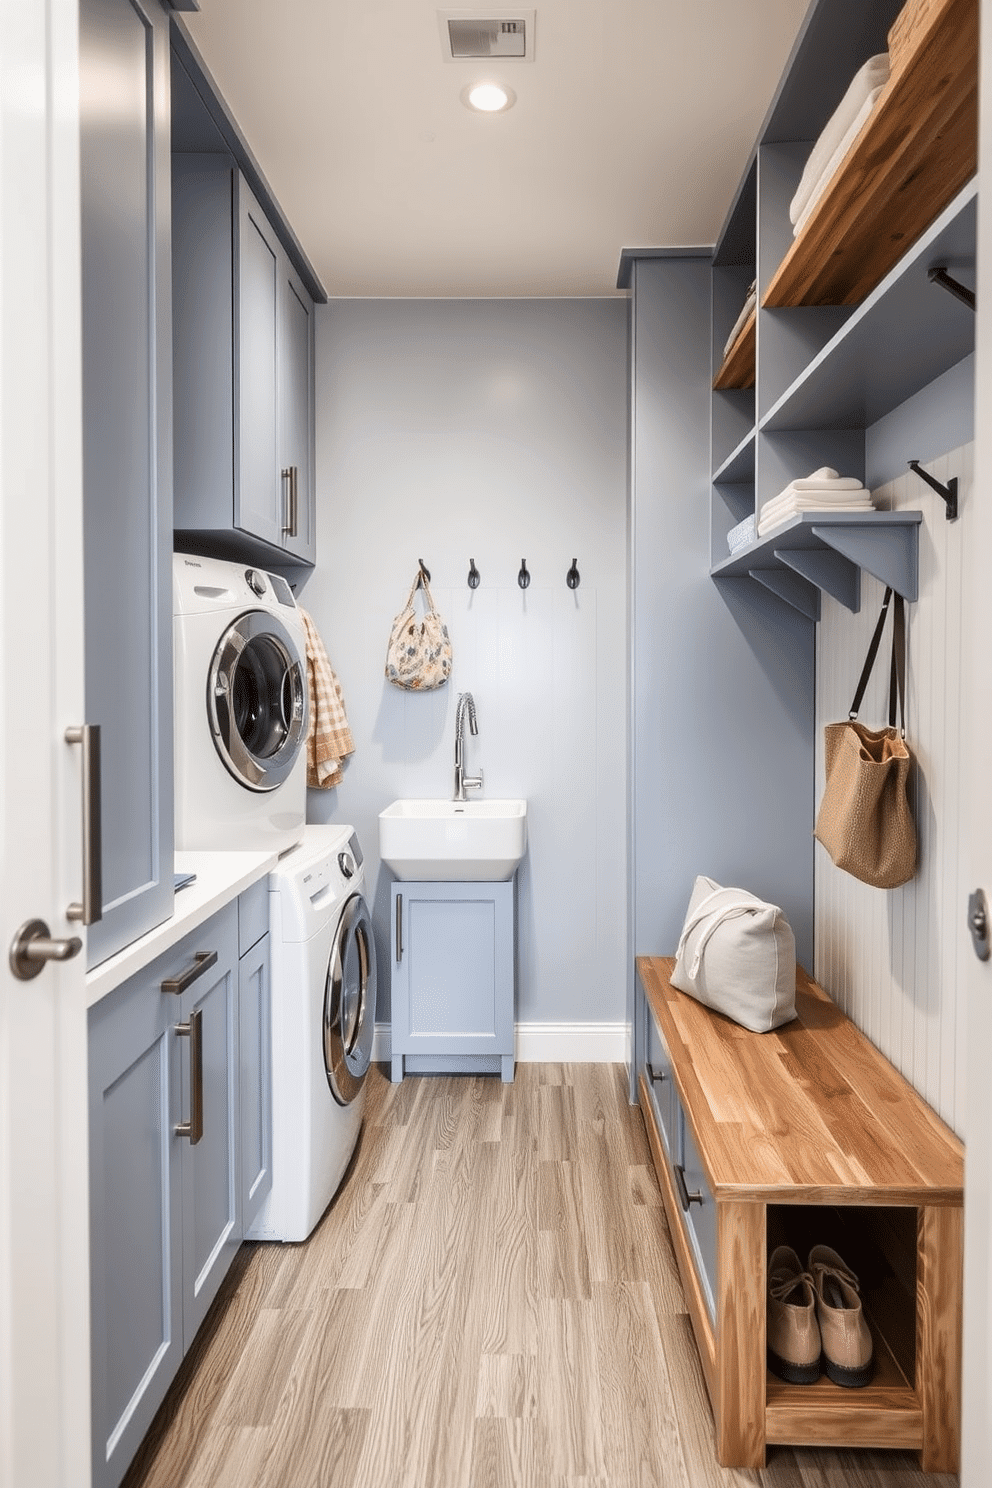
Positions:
(828, 369)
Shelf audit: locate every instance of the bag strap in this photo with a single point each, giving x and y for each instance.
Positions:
(872, 653)
(897, 668)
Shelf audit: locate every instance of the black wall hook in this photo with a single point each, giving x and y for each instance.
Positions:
(948, 493)
(425, 571)
(572, 577)
(523, 577)
(939, 275)
(473, 574)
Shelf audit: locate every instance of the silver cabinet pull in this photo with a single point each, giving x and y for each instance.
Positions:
(193, 1030)
(32, 946)
(91, 908)
(657, 1077)
(685, 1197)
(202, 961)
(399, 927)
(291, 474)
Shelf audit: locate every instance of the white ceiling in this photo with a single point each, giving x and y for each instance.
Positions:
(631, 129)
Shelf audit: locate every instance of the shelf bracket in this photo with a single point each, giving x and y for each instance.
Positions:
(939, 275)
(890, 553)
(948, 494)
(791, 587)
(827, 570)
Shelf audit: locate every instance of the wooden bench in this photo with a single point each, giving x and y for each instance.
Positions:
(800, 1136)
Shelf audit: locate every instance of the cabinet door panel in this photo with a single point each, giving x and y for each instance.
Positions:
(136, 1303)
(259, 494)
(127, 452)
(296, 392)
(256, 1081)
(211, 1212)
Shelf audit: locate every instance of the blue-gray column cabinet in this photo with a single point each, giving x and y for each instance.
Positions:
(127, 452)
(165, 1215)
(452, 978)
(244, 373)
(254, 1022)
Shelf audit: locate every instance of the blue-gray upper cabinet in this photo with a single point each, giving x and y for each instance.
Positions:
(127, 453)
(243, 373)
(164, 1222)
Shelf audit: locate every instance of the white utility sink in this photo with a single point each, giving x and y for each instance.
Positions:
(453, 841)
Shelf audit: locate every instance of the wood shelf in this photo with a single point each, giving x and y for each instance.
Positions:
(738, 367)
(916, 151)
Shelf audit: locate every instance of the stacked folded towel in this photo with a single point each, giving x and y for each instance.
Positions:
(843, 127)
(824, 490)
(739, 323)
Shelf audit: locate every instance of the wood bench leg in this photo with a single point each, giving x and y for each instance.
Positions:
(740, 1332)
(939, 1270)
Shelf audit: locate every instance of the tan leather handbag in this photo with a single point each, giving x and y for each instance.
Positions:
(865, 821)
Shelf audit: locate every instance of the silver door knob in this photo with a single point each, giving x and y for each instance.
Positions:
(33, 945)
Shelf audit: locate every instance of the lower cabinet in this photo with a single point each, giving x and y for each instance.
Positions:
(174, 1074)
(452, 978)
(255, 1035)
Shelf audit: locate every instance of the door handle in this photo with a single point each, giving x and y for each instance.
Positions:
(32, 946)
(193, 1030)
(978, 923)
(291, 474)
(399, 928)
(202, 961)
(685, 1197)
(90, 909)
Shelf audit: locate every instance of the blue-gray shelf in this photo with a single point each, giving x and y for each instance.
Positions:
(739, 465)
(826, 551)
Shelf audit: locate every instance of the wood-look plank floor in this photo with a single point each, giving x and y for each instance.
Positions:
(492, 1299)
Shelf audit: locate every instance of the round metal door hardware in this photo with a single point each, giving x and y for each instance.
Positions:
(33, 945)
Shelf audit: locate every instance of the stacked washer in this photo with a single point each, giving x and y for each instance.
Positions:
(241, 707)
(323, 1021)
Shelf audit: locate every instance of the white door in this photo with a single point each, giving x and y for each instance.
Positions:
(44, 1211)
(977, 1442)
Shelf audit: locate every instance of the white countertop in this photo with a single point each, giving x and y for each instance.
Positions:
(220, 877)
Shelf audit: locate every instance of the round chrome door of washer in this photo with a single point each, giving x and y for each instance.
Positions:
(349, 1003)
(257, 700)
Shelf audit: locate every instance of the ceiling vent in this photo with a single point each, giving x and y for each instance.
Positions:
(489, 34)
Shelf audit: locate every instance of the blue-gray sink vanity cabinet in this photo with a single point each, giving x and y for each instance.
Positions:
(167, 1213)
(127, 455)
(452, 978)
(244, 373)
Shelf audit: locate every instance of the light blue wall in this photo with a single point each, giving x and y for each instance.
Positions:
(493, 430)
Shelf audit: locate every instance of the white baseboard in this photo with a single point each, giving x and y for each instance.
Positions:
(548, 1043)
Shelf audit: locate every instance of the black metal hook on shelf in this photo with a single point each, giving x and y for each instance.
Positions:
(474, 577)
(572, 577)
(425, 572)
(948, 493)
(939, 275)
(523, 577)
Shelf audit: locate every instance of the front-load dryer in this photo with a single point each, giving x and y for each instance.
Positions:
(323, 1022)
(241, 707)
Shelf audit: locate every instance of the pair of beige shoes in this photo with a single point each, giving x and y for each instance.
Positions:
(814, 1318)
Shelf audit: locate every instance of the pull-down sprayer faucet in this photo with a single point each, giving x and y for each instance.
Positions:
(464, 782)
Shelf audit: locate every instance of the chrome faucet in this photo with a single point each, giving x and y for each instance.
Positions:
(463, 782)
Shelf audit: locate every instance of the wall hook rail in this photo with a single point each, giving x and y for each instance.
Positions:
(948, 493)
(523, 577)
(939, 275)
(572, 578)
(425, 571)
(474, 576)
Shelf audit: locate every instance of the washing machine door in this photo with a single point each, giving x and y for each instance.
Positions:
(257, 700)
(349, 1002)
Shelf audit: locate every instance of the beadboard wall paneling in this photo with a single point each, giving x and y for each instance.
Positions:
(493, 430)
(893, 959)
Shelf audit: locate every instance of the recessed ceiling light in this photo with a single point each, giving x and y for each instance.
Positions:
(488, 98)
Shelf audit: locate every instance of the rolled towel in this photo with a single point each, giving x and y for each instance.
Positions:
(868, 80)
(834, 163)
(826, 478)
(739, 323)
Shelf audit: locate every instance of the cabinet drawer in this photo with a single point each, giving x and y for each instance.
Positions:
(698, 1208)
(658, 1073)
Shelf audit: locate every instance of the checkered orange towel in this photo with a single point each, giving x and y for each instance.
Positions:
(329, 738)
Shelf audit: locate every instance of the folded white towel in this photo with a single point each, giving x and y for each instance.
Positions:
(834, 163)
(868, 80)
(818, 498)
(824, 479)
(767, 524)
(739, 323)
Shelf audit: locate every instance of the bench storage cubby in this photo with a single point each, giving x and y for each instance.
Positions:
(802, 1136)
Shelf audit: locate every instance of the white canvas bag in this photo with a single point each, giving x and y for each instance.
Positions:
(737, 955)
